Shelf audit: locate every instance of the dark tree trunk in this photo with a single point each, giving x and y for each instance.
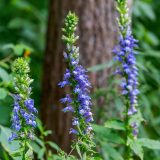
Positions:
(97, 34)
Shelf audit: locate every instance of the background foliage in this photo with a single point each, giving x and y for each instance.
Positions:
(22, 28)
(145, 23)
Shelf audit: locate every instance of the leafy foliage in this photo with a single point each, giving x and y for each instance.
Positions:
(22, 33)
(147, 31)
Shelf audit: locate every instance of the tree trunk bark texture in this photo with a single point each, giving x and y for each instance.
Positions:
(97, 31)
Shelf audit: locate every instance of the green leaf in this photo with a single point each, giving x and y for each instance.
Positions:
(40, 142)
(152, 38)
(115, 124)
(149, 143)
(150, 53)
(115, 155)
(17, 23)
(140, 8)
(35, 147)
(136, 118)
(3, 93)
(84, 156)
(39, 125)
(5, 111)
(41, 153)
(17, 153)
(105, 134)
(100, 67)
(48, 132)
(4, 75)
(8, 46)
(17, 158)
(78, 151)
(4, 65)
(12, 148)
(5, 133)
(137, 148)
(53, 145)
(5, 155)
(19, 49)
(29, 154)
(147, 7)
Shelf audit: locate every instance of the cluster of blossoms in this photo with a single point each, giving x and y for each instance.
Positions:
(23, 115)
(126, 55)
(78, 101)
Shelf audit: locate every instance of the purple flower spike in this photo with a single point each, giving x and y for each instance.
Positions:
(78, 100)
(125, 54)
(128, 67)
(23, 114)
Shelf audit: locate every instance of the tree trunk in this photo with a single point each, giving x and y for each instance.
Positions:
(96, 29)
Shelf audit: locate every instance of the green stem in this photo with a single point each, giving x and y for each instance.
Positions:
(128, 153)
(127, 150)
(24, 152)
(6, 59)
(124, 21)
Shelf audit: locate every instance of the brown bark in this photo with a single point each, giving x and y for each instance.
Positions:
(97, 33)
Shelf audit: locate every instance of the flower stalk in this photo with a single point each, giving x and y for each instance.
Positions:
(24, 112)
(125, 54)
(78, 100)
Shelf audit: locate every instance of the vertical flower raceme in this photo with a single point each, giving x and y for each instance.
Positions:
(125, 53)
(24, 112)
(78, 100)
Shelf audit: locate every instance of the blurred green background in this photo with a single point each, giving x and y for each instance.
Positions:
(24, 22)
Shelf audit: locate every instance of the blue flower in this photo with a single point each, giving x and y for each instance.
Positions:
(89, 129)
(78, 100)
(78, 81)
(75, 122)
(66, 99)
(29, 103)
(23, 114)
(12, 137)
(135, 129)
(69, 108)
(73, 131)
(126, 56)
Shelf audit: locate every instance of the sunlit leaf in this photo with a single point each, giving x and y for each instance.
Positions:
(3, 93)
(105, 134)
(4, 75)
(149, 143)
(115, 124)
(113, 153)
(13, 148)
(137, 148)
(41, 153)
(53, 145)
